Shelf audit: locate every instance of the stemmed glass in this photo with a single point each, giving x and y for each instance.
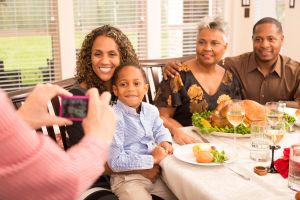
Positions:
(276, 128)
(235, 116)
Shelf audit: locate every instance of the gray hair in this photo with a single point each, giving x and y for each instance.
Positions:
(214, 23)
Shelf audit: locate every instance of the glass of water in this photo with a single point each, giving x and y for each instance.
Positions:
(259, 149)
(294, 168)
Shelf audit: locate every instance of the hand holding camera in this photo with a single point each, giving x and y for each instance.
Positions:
(95, 113)
(74, 108)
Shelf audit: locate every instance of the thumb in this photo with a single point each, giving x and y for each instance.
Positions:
(105, 97)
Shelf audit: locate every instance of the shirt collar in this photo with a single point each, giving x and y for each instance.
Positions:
(253, 65)
(277, 67)
(128, 109)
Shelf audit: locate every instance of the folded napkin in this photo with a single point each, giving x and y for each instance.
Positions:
(282, 164)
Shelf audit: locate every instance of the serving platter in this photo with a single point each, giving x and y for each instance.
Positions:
(231, 135)
(222, 134)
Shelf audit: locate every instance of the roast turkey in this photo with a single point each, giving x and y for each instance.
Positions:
(253, 112)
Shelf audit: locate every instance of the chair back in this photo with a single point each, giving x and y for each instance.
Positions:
(57, 133)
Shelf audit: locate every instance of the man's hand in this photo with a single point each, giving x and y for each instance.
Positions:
(171, 69)
(35, 108)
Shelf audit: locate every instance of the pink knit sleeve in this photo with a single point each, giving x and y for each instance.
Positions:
(34, 167)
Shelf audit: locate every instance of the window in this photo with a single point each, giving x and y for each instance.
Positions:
(127, 15)
(177, 25)
(29, 50)
(180, 19)
(31, 41)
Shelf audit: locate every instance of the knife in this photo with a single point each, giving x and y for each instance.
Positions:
(236, 172)
(202, 138)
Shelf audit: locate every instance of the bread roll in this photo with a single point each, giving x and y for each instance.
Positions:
(297, 113)
(204, 157)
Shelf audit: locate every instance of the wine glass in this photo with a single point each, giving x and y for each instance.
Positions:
(276, 128)
(235, 115)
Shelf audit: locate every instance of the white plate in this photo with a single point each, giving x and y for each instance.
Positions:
(222, 134)
(185, 154)
(291, 111)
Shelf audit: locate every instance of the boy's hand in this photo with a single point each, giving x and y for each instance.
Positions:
(167, 146)
(158, 154)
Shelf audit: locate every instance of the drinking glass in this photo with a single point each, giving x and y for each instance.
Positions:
(294, 168)
(235, 115)
(276, 128)
(260, 148)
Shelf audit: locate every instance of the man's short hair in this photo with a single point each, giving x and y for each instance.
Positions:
(270, 20)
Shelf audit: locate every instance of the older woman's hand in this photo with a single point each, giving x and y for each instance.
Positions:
(181, 137)
(171, 69)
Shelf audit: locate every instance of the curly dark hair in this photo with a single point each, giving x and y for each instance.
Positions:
(84, 70)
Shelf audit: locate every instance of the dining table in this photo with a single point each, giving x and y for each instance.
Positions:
(196, 181)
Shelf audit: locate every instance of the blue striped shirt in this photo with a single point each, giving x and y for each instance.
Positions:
(136, 136)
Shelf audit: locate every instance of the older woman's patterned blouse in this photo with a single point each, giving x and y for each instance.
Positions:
(186, 94)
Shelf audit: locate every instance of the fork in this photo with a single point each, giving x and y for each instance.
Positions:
(202, 138)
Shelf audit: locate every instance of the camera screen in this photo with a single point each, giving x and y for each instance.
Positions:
(74, 108)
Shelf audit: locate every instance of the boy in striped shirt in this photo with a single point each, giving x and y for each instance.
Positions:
(140, 141)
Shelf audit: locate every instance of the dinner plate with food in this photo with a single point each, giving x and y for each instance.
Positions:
(216, 122)
(204, 154)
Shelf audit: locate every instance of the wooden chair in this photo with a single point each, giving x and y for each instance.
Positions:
(154, 69)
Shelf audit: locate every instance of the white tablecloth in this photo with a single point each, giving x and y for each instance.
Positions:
(194, 182)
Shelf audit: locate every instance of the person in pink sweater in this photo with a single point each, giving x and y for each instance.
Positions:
(32, 166)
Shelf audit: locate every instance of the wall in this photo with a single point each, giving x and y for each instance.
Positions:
(241, 28)
(291, 28)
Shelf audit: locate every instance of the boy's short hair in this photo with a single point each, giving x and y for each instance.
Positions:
(118, 69)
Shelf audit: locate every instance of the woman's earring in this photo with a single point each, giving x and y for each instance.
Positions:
(223, 62)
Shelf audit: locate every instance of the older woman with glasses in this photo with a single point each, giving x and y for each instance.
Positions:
(200, 82)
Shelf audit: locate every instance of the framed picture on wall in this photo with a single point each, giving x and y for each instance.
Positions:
(292, 3)
(245, 3)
